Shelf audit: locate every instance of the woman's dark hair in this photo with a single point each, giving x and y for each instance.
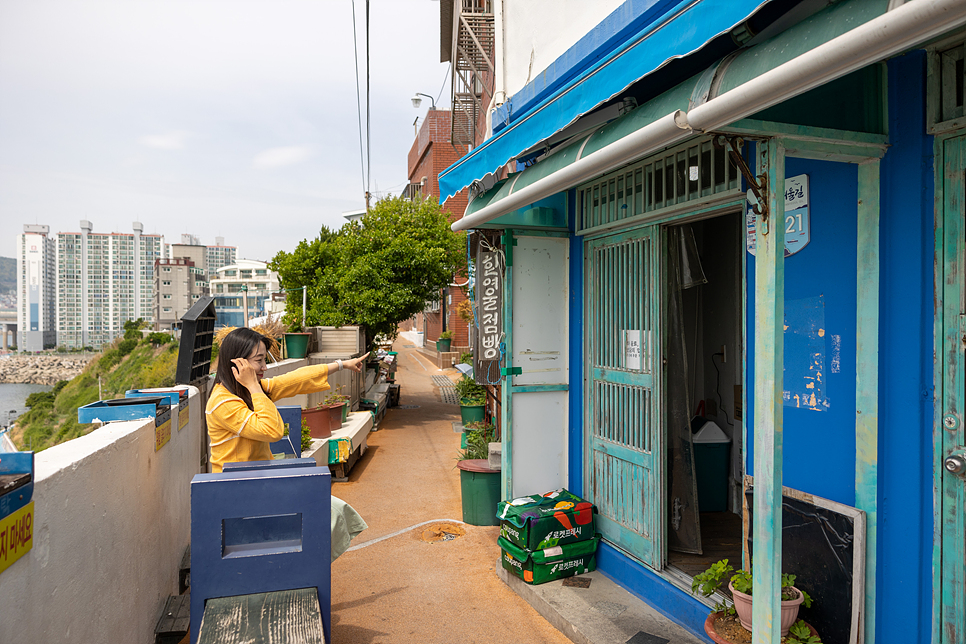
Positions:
(240, 343)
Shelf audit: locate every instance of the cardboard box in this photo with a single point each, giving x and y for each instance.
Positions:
(543, 521)
(551, 563)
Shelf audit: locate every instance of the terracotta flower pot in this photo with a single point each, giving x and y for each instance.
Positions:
(318, 422)
(788, 615)
(335, 415)
(718, 639)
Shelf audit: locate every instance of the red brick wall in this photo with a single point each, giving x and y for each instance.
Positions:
(430, 154)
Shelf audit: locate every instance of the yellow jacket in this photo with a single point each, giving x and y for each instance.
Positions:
(236, 433)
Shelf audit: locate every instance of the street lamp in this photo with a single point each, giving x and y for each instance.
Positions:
(416, 100)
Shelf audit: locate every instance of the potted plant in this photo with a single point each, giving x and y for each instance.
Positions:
(740, 585)
(335, 398)
(443, 344)
(296, 341)
(318, 422)
(479, 483)
(472, 400)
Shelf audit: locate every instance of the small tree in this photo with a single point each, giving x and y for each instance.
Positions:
(377, 272)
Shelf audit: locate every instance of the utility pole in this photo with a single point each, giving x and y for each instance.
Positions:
(304, 299)
(244, 292)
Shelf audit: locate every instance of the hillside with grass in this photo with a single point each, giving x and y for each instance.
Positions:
(8, 274)
(131, 363)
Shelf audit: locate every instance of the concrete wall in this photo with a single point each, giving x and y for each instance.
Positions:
(112, 520)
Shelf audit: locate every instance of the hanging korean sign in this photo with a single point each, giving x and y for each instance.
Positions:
(489, 317)
(797, 227)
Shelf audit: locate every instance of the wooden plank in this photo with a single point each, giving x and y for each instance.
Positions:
(769, 357)
(867, 377)
(290, 616)
(175, 618)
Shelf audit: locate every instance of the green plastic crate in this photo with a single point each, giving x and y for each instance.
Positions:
(551, 563)
(542, 521)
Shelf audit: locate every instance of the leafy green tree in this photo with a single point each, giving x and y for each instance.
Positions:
(132, 329)
(375, 272)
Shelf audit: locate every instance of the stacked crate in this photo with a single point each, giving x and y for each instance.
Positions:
(549, 536)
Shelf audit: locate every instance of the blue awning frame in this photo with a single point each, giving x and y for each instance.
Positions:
(683, 30)
(803, 64)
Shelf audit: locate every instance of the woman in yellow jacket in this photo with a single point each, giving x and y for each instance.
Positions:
(242, 419)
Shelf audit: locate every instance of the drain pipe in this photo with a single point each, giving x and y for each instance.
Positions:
(902, 28)
(666, 131)
(891, 33)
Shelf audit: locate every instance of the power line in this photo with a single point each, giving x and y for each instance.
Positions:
(445, 78)
(368, 114)
(362, 155)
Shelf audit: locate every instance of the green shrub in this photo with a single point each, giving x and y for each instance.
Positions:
(40, 399)
(466, 358)
(306, 435)
(157, 338)
(127, 346)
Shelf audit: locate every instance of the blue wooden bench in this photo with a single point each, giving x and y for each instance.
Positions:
(260, 536)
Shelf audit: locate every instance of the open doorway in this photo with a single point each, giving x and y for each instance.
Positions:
(703, 377)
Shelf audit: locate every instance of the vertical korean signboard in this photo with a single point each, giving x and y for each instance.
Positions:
(16, 535)
(489, 311)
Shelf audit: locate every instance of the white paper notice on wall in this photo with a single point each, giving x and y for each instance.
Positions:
(632, 350)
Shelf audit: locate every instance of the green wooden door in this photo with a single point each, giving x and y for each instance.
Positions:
(622, 401)
(952, 445)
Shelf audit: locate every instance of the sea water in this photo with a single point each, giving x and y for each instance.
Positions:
(12, 397)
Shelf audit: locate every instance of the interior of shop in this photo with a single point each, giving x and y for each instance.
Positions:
(704, 266)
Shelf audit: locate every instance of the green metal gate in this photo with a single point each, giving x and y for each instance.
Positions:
(621, 321)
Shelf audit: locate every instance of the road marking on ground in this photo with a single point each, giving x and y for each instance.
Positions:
(415, 354)
(366, 544)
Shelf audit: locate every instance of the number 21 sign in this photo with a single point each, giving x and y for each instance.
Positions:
(797, 228)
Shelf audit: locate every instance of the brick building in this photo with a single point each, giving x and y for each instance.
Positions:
(432, 152)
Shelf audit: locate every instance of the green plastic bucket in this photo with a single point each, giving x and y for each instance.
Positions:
(471, 414)
(443, 345)
(296, 344)
(480, 488)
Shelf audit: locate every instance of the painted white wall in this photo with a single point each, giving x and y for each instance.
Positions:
(112, 520)
(532, 34)
(540, 336)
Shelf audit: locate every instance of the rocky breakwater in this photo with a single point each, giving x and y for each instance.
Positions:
(40, 370)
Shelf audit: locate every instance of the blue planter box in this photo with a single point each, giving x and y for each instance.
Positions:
(124, 409)
(175, 396)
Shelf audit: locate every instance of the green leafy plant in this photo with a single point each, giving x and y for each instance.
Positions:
(479, 435)
(721, 572)
(466, 358)
(334, 397)
(469, 392)
(711, 580)
(446, 335)
(742, 582)
(306, 435)
(799, 633)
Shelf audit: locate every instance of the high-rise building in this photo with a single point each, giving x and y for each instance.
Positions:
(220, 255)
(36, 270)
(179, 282)
(103, 281)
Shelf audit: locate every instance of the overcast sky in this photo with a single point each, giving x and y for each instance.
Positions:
(235, 119)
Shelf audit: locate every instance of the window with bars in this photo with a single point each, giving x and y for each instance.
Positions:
(687, 173)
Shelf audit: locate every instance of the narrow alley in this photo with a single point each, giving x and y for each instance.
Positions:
(396, 584)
